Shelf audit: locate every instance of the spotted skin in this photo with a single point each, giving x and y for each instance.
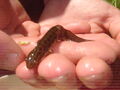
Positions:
(43, 45)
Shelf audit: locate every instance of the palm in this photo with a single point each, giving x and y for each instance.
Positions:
(95, 17)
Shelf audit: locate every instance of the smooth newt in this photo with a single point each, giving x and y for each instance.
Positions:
(43, 45)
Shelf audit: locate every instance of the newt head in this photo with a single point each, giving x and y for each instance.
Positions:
(31, 63)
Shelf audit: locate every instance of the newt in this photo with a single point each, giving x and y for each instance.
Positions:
(55, 33)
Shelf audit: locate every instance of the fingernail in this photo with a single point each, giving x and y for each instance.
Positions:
(66, 82)
(96, 81)
(12, 56)
(10, 60)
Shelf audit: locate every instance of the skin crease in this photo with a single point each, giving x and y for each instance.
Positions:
(96, 20)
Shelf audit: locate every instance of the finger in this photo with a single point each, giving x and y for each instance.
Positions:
(28, 28)
(19, 10)
(96, 28)
(23, 72)
(74, 51)
(9, 16)
(114, 29)
(78, 27)
(29, 76)
(104, 38)
(50, 72)
(59, 70)
(10, 53)
(94, 72)
(75, 27)
(5, 12)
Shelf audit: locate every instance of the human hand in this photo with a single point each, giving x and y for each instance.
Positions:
(13, 25)
(89, 61)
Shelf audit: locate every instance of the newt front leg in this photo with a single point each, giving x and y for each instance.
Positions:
(43, 45)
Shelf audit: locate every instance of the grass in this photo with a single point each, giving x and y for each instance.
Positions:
(115, 3)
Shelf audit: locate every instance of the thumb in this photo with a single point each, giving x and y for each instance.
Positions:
(10, 53)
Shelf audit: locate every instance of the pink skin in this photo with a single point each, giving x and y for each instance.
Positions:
(96, 72)
(71, 58)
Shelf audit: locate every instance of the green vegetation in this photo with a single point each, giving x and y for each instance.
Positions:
(115, 3)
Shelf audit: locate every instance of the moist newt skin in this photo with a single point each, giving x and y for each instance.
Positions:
(43, 45)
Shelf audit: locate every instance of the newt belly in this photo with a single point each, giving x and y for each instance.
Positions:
(43, 45)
